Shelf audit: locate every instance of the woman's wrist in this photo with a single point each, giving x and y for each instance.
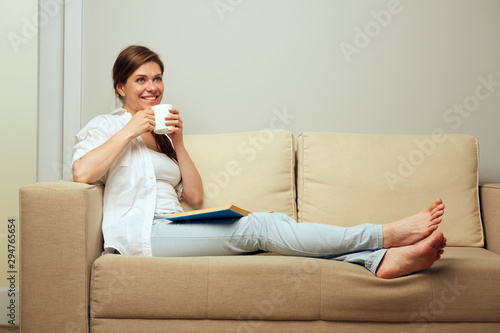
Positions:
(126, 134)
(178, 145)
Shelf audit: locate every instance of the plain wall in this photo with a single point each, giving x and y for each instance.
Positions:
(18, 130)
(408, 67)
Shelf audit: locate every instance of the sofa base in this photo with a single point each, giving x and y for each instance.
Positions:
(464, 286)
(234, 326)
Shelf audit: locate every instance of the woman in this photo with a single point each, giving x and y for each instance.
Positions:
(143, 172)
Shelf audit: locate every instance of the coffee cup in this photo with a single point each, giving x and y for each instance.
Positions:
(161, 111)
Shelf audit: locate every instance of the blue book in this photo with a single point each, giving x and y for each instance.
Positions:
(223, 212)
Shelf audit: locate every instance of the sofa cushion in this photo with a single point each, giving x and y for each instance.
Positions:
(464, 284)
(348, 179)
(252, 170)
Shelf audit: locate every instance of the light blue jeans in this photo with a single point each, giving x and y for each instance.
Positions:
(270, 232)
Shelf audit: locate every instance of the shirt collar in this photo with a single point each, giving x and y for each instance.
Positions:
(119, 111)
(122, 112)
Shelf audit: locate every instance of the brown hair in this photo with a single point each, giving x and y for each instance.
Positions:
(125, 65)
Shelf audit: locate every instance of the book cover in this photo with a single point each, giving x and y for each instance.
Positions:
(209, 213)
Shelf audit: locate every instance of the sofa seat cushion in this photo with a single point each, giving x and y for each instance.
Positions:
(463, 286)
(349, 179)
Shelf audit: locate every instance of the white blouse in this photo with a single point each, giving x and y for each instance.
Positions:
(130, 190)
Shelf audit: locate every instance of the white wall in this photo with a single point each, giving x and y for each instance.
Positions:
(231, 66)
(18, 92)
(51, 91)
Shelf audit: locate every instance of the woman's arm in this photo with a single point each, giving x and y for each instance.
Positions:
(94, 164)
(192, 184)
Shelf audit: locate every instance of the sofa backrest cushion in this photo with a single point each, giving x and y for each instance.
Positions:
(252, 170)
(349, 179)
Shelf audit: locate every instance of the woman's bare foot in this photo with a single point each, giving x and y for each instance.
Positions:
(413, 229)
(400, 261)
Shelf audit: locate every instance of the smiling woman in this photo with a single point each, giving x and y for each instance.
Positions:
(137, 78)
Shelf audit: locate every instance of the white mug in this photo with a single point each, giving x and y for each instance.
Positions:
(161, 111)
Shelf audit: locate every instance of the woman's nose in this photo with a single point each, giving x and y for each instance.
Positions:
(151, 86)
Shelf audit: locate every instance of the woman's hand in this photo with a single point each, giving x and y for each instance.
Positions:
(173, 119)
(142, 122)
(97, 162)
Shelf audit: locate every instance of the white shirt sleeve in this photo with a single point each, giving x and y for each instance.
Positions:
(94, 134)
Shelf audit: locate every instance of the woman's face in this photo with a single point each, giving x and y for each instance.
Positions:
(143, 89)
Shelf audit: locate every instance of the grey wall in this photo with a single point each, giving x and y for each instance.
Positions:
(409, 67)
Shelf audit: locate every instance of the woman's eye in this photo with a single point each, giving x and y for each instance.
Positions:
(158, 79)
(140, 80)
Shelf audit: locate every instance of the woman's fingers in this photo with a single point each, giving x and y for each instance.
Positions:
(173, 119)
(143, 121)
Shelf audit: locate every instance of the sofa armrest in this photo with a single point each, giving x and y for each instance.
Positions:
(490, 213)
(60, 228)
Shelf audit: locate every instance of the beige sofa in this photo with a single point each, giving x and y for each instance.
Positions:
(342, 179)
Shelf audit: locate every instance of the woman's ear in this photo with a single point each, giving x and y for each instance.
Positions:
(119, 88)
